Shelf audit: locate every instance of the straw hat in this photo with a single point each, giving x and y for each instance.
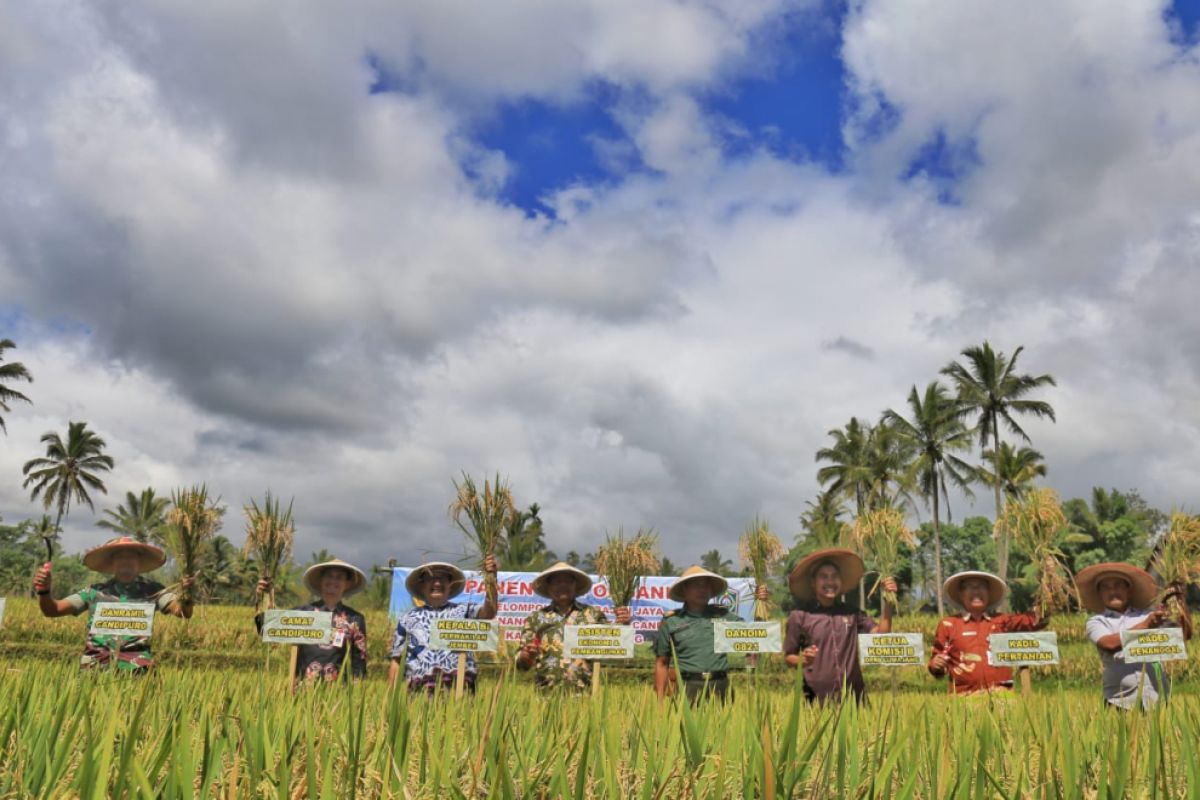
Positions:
(458, 580)
(582, 581)
(849, 565)
(1142, 586)
(312, 576)
(697, 573)
(952, 588)
(99, 559)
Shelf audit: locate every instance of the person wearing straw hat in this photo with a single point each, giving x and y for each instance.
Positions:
(688, 634)
(822, 634)
(1121, 598)
(432, 586)
(960, 645)
(542, 633)
(126, 560)
(331, 582)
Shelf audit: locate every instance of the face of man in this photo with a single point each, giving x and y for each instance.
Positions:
(333, 585)
(697, 593)
(1114, 593)
(974, 595)
(827, 583)
(125, 565)
(561, 587)
(436, 587)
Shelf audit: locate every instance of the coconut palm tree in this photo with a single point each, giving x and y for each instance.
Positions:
(822, 521)
(524, 544)
(935, 431)
(12, 371)
(713, 561)
(1017, 468)
(891, 473)
(68, 470)
(848, 473)
(142, 517)
(990, 387)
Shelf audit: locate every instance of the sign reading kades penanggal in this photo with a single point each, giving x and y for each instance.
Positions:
(1156, 644)
(598, 641)
(891, 649)
(297, 627)
(1034, 649)
(464, 635)
(747, 637)
(122, 619)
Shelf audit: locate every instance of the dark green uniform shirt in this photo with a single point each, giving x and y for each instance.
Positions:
(692, 635)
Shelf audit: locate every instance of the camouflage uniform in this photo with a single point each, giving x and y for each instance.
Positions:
(132, 652)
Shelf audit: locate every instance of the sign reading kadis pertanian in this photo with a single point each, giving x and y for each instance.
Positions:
(598, 641)
(464, 635)
(516, 601)
(297, 627)
(122, 619)
(747, 637)
(891, 649)
(1033, 649)
(1155, 644)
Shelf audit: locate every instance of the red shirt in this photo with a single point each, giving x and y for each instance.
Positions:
(965, 641)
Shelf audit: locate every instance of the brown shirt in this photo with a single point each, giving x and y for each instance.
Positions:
(834, 630)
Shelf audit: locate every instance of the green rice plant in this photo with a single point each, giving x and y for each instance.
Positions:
(483, 518)
(1036, 525)
(624, 562)
(193, 520)
(880, 537)
(270, 535)
(760, 551)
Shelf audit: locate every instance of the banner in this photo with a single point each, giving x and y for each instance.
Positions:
(297, 627)
(891, 649)
(464, 635)
(1034, 649)
(122, 619)
(747, 637)
(1156, 644)
(598, 641)
(517, 600)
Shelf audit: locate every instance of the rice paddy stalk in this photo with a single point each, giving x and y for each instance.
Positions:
(1037, 526)
(483, 518)
(270, 535)
(624, 562)
(881, 537)
(761, 551)
(1176, 560)
(193, 520)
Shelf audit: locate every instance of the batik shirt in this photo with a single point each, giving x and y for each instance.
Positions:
(131, 652)
(324, 661)
(424, 667)
(544, 628)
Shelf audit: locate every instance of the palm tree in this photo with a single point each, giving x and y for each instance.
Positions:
(822, 521)
(1017, 469)
(142, 517)
(891, 474)
(713, 562)
(991, 388)
(68, 470)
(848, 473)
(12, 371)
(935, 432)
(524, 545)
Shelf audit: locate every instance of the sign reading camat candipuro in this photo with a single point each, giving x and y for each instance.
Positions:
(464, 635)
(891, 649)
(297, 627)
(122, 619)
(1158, 644)
(598, 641)
(1034, 649)
(747, 637)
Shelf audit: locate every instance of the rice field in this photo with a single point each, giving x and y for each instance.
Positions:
(202, 728)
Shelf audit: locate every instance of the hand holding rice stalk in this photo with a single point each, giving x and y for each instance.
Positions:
(270, 533)
(1037, 527)
(624, 562)
(880, 536)
(1176, 560)
(761, 551)
(483, 517)
(191, 523)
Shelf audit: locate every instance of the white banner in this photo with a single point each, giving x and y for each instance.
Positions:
(891, 649)
(122, 619)
(464, 635)
(598, 641)
(297, 627)
(1156, 644)
(747, 637)
(1033, 649)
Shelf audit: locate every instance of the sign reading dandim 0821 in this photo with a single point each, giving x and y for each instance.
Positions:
(747, 637)
(122, 619)
(297, 627)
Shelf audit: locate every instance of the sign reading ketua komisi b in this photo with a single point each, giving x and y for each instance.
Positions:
(891, 649)
(122, 619)
(1033, 649)
(464, 635)
(1157, 644)
(747, 637)
(297, 627)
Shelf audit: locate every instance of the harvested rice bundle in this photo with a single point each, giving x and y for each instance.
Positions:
(624, 562)
(270, 534)
(880, 537)
(1037, 526)
(1176, 560)
(483, 517)
(193, 520)
(760, 551)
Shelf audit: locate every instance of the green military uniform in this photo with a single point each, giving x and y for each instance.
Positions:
(693, 637)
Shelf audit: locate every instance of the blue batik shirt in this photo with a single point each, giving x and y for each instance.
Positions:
(421, 662)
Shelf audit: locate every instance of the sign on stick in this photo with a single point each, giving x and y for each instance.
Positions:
(123, 619)
(1156, 644)
(598, 641)
(747, 637)
(891, 649)
(1034, 649)
(297, 627)
(464, 635)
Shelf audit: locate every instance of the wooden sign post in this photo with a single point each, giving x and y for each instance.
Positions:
(296, 628)
(1023, 650)
(597, 642)
(464, 636)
